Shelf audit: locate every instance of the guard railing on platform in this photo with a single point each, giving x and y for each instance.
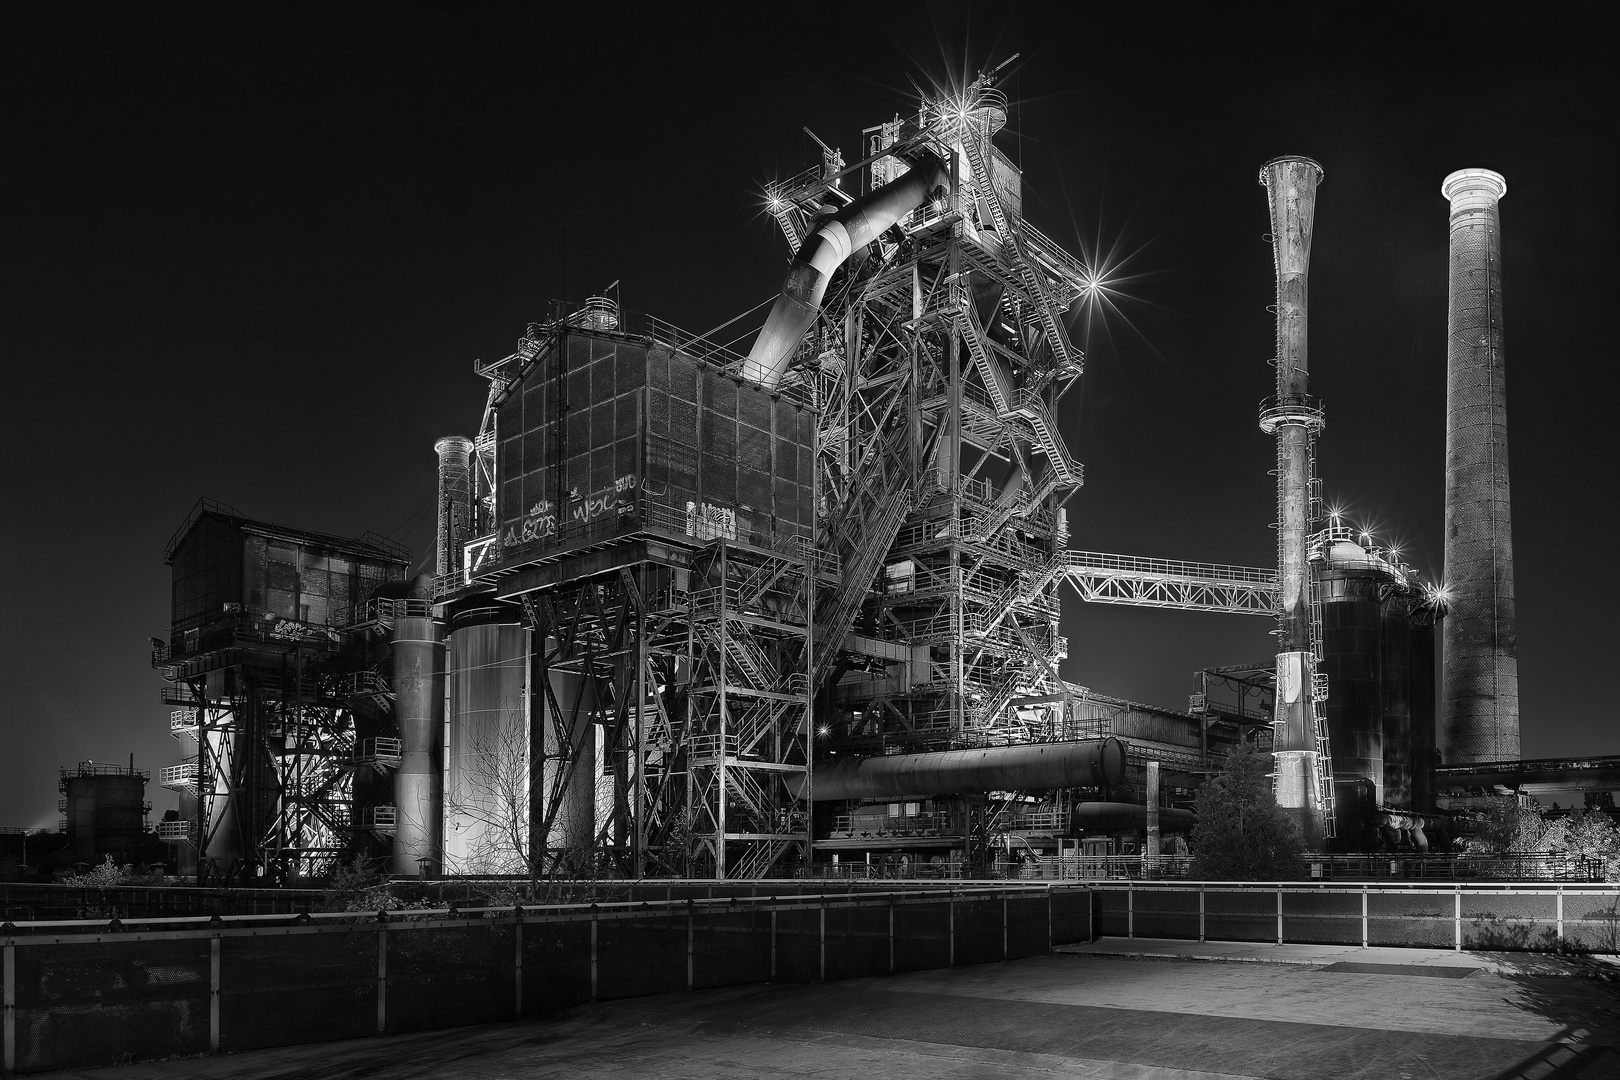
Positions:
(83, 994)
(1507, 916)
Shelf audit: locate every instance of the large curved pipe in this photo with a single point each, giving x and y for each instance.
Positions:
(1033, 767)
(1120, 817)
(845, 233)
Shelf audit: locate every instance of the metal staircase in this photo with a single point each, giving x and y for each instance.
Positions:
(867, 529)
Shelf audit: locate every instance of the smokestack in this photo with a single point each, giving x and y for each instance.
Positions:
(1153, 838)
(455, 500)
(1304, 783)
(1480, 680)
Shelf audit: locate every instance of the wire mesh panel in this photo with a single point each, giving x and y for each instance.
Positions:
(556, 966)
(104, 1003)
(1111, 910)
(449, 976)
(1422, 919)
(321, 986)
(857, 942)
(1171, 913)
(979, 926)
(922, 936)
(646, 955)
(1071, 915)
(1250, 915)
(1509, 921)
(1027, 923)
(731, 948)
(1324, 917)
(1592, 921)
(798, 945)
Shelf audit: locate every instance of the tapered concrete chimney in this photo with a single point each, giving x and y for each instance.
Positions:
(1480, 672)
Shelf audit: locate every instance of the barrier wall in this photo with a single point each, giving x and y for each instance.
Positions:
(81, 995)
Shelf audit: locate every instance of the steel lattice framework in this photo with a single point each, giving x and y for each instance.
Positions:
(937, 367)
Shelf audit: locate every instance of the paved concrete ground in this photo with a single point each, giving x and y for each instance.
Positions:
(1095, 1011)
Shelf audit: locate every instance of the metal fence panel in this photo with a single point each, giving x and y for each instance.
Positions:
(556, 966)
(1170, 913)
(646, 955)
(1327, 918)
(1425, 920)
(857, 942)
(1028, 927)
(449, 976)
(1502, 920)
(980, 936)
(1592, 921)
(110, 1002)
(1249, 915)
(922, 936)
(798, 945)
(323, 986)
(1071, 915)
(1112, 912)
(731, 948)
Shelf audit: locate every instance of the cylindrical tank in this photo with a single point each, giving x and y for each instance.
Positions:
(455, 500)
(1034, 767)
(486, 756)
(1349, 583)
(419, 710)
(569, 741)
(1395, 647)
(1480, 721)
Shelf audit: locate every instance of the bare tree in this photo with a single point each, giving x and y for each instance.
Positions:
(487, 804)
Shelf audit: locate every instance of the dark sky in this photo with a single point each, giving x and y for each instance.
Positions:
(252, 252)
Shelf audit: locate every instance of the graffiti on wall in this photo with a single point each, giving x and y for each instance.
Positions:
(543, 518)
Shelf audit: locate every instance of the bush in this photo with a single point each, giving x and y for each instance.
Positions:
(1242, 835)
(106, 876)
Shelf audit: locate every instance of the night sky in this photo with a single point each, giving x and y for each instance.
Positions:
(251, 252)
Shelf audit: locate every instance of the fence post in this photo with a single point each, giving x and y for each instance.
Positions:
(891, 933)
(1364, 937)
(517, 967)
(1457, 917)
(1279, 915)
(1004, 926)
(1130, 909)
(1049, 919)
(593, 953)
(823, 976)
(213, 994)
(382, 980)
(773, 942)
(691, 949)
(950, 914)
(1200, 911)
(8, 974)
(1560, 913)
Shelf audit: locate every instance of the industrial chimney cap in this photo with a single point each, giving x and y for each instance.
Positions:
(1475, 182)
(1291, 159)
(453, 444)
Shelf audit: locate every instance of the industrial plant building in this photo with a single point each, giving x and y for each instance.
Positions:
(706, 614)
